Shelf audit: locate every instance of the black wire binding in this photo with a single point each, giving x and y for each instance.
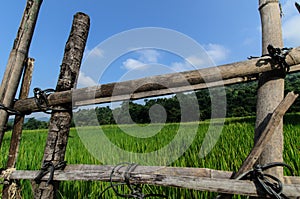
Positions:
(47, 167)
(271, 185)
(278, 56)
(41, 100)
(135, 189)
(281, 10)
(10, 111)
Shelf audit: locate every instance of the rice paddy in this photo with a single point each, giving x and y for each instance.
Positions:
(232, 147)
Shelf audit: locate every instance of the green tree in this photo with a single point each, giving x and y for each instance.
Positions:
(85, 117)
(32, 124)
(104, 115)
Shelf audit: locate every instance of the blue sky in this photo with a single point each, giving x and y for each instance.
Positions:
(229, 31)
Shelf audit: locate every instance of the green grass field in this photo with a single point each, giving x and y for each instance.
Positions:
(228, 154)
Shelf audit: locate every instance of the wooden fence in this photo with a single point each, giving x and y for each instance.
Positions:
(202, 179)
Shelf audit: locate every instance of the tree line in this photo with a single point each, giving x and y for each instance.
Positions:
(30, 124)
(240, 101)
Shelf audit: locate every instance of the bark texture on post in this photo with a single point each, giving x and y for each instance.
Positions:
(16, 60)
(60, 120)
(271, 84)
(17, 129)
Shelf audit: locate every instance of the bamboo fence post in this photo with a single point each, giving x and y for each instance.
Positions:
(60, 120)
(16, 60)
(17, 129)
(266, 130)
(271, 84)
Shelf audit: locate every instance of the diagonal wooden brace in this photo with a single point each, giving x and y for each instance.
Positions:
(266, 129)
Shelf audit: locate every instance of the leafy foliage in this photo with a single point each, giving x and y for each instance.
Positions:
(33, 123)
(30, 124)
(240, 102)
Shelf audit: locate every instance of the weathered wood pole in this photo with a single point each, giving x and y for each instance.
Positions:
(266, 130)
(60, 120)
(271, 84)
(123, 90)
(18, 55)
(17, 129)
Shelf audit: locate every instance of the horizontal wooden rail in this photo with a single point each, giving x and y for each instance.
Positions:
(202, 179)
(165, 84)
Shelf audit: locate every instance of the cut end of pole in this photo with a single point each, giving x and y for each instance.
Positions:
(81, 14)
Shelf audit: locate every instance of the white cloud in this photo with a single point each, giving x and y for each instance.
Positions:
(93, 53)
(149, 56)
(133, 64)
(217, 52)
(291, 30)
(145, 57)
(197, 61)
(291, 24)
(192, 63)
(85, 81)
(181, 66)
(38, 115)
(96, 52)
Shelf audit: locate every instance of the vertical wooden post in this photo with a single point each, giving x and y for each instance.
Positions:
(271, 84)
(60, 120)
(17, 129)
(16, 59)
